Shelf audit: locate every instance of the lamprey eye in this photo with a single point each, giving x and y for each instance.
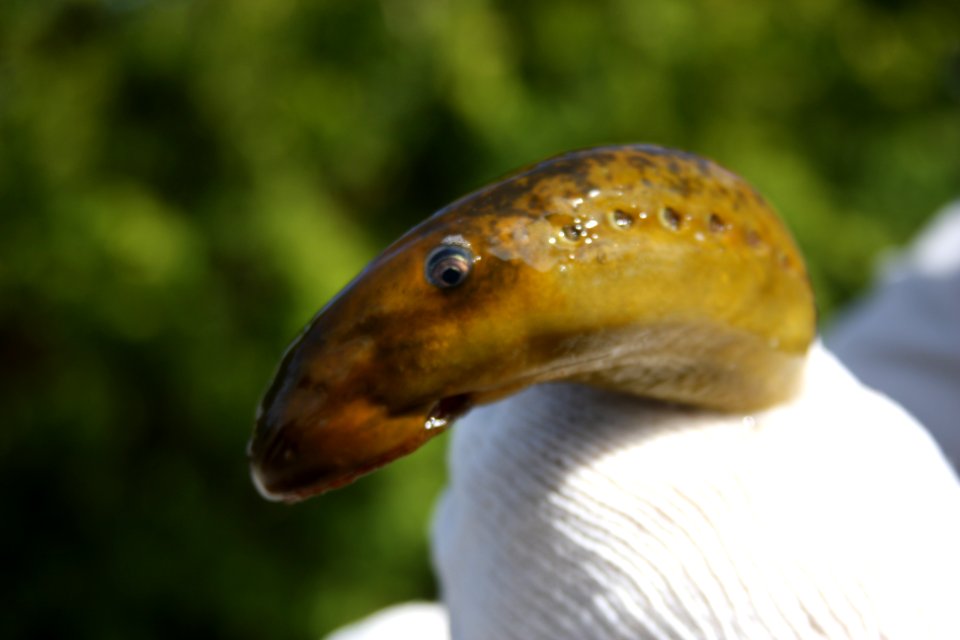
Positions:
(448, 266)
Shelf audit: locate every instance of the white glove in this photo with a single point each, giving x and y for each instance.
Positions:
(905, 337)
(575, 513)
(420, 620)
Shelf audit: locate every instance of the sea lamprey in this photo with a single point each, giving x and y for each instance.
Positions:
(634, 268)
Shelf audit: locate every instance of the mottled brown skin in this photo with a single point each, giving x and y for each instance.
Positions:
(642, 269)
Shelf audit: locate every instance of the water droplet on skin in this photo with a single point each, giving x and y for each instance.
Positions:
(457, 240)
(435, 423)
(447, 410)
(590, 224)
(699, 237)
(670, 218)
(622, 219)
(593, 193)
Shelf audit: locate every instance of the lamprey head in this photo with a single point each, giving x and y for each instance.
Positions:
(636, 268)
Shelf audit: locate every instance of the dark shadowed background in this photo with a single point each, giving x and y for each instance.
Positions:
(183, 183)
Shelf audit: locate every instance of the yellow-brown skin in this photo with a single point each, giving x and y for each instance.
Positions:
(637, 268)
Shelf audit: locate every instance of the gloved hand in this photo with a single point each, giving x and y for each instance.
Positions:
(905, 337)
(577, 513)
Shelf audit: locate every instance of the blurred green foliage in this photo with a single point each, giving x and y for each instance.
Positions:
(183, 183)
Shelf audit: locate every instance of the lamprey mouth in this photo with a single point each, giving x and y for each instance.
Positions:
(292, 461)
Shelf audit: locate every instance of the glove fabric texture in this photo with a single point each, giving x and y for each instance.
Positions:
(578, 513)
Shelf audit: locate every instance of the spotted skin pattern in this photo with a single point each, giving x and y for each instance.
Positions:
(636, 268)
